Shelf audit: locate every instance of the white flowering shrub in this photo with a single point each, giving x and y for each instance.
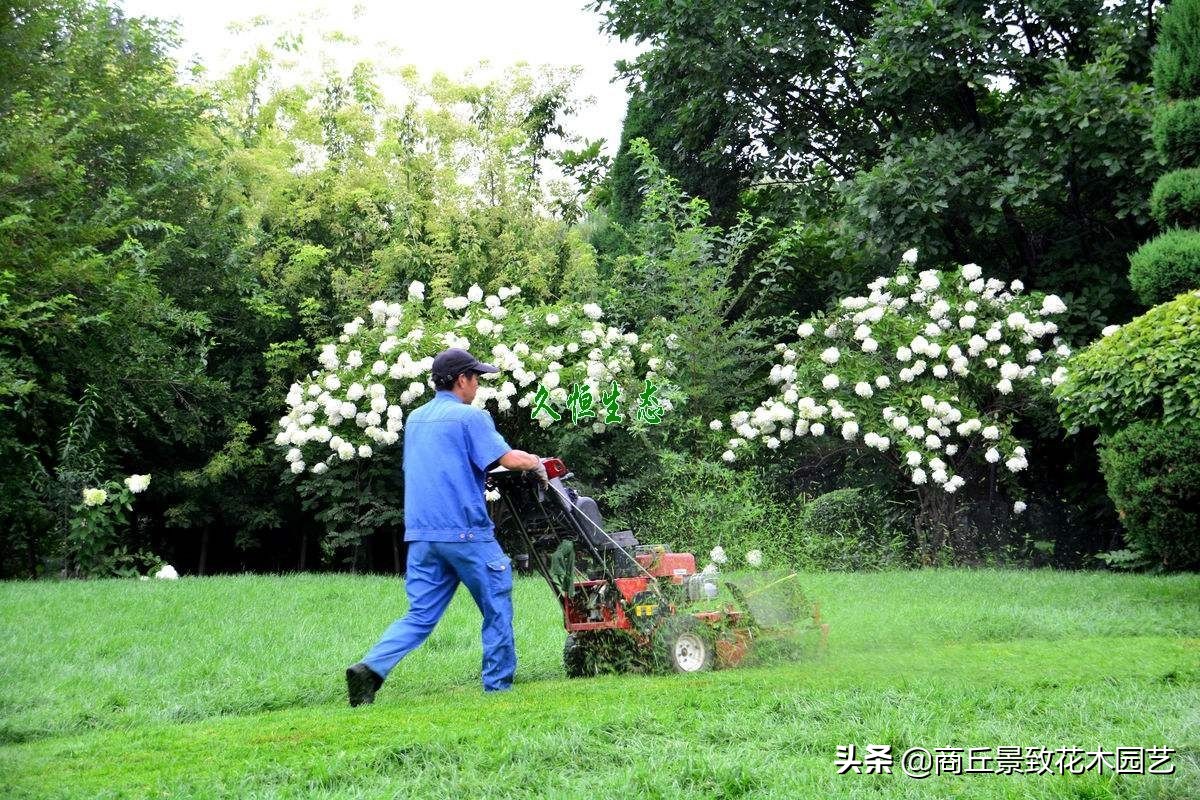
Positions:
(930, 370)
(376, 371)
(97, 526)
(345, 415)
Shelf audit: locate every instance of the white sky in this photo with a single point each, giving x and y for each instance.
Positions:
(450, 36)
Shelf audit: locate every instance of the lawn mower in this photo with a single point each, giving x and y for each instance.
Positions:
(629, 606)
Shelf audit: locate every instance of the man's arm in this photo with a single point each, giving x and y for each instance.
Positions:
(520, 460)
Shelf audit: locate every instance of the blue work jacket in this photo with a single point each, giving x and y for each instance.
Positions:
(448, 447)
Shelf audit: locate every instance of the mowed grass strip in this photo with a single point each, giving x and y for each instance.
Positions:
(766, 732)
(933, 659)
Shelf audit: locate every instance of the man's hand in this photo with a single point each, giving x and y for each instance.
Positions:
(528, 462)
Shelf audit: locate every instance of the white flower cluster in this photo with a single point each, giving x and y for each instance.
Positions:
(718, 556)
(923, 370)
(354, 407)
(98, 497)
(137, 483)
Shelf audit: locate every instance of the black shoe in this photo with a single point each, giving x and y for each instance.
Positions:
(362, 683)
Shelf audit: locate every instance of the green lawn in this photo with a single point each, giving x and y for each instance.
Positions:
(232, 687)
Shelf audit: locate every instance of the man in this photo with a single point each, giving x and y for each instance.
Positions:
(448, 448)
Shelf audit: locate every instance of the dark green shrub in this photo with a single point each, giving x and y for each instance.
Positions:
(1153, 475)
(1166, 266)
(842, 511)
(694, 504)
(1175, 201)
(1176, 132)
(846, 529)
(1148, 369)
(1177, 56)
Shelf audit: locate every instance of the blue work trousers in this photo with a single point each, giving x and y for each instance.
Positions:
(434, 571)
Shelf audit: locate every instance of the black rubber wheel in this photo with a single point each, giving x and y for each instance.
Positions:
(684, 644)
(575, 657)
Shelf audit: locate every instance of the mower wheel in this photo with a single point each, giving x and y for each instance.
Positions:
(575, 657)
(684, 644)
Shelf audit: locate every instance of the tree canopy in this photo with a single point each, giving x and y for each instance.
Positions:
(1014, 132)
(179, 247)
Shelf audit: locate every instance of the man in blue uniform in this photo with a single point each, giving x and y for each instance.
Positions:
(448, 448)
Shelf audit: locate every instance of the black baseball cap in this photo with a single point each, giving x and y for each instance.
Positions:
(449, 364)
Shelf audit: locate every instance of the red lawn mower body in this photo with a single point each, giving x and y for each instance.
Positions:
(614, 583)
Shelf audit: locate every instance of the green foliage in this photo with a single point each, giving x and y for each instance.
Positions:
(693, 505)
(236, 490)
(1175, 201)
(97, 145)
(338, 230)
(1166, 265)
(117, 250)
(96, 544)
(624, 187)
(588, 168)
(79, 464)
(1016, 137)
(1177, 57)
(1176, 132)
(1076, 140)
(1141, 385)
(31, 319)
(1153, 474)
(683, 139)
(846, 529)
(1125, 559)
(1149, 369)
(796, 270)
(678, 280)
(353, 503)
(180, 248)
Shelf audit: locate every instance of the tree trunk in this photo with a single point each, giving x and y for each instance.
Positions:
(31, 549)
(203, 551)
(303, 549)
(395, 552)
